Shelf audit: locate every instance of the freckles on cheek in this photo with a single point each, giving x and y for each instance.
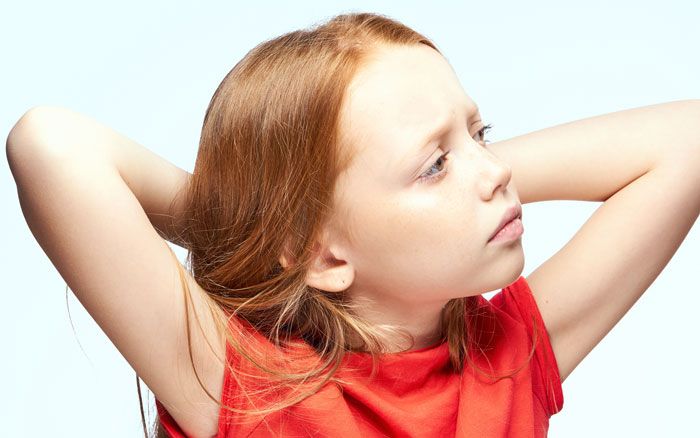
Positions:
(383, 227)
(409, 222)
(411, 229)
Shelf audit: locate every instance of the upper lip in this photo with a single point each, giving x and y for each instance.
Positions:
(510, 214)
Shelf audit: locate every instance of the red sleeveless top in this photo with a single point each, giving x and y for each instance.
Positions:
(416, 393)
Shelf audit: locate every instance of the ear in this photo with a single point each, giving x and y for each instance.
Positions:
(328, 271)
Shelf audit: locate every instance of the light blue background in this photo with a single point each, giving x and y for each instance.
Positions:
(149, 70)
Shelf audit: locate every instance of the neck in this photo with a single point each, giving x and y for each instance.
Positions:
(422, 321)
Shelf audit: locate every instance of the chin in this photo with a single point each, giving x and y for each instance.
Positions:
(509, 270)
(517, 270)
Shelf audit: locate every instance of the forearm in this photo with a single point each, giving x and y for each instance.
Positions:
(591, 159)
(154, 181)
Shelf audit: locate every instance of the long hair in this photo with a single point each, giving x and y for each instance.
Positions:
(263, 186)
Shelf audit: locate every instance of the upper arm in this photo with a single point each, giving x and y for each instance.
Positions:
(584, 289)
(93, 229)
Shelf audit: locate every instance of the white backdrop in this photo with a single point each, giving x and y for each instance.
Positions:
(148, 69)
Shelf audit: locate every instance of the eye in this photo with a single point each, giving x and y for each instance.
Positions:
(482, 133)
(432, 177)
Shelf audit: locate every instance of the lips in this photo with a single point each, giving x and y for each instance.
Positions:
(510, 214)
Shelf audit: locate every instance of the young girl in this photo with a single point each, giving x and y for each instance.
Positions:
(343, 219)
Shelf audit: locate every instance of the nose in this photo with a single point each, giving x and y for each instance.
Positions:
(495, 175)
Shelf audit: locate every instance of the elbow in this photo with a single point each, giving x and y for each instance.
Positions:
(684, 149)
(29, 133)
(21, 132)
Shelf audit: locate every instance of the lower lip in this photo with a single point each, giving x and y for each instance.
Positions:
(511, 231)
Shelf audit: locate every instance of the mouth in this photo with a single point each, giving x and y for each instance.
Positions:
(511, 213)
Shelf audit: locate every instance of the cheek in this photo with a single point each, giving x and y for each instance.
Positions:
(419, 231)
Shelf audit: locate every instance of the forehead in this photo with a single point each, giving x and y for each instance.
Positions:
(399, 95)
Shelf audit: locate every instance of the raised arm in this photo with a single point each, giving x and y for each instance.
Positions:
(155, 182)
(83, 189)
(593, 158)
(645, 164)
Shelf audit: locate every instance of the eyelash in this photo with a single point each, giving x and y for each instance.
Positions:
(433, 178)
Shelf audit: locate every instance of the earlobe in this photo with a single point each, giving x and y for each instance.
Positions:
(329, 273)
(335, 279)
(332, 279)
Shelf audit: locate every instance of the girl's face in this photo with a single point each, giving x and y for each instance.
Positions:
(420, 207)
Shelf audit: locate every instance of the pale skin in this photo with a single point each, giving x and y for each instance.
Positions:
(97, 203)
(417, 244)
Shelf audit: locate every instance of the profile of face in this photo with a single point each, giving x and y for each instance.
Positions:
(420, 205)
